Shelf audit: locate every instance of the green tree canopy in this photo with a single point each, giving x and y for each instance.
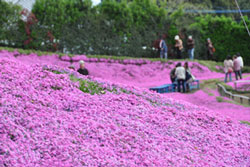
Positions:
(9, 18)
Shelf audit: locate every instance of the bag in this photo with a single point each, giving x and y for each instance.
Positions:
(193, 77)
(188, 76)
(230, 70)
(213, 49)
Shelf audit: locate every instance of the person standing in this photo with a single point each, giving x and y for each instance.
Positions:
(163, 49)
(178, 46)
(180, 73)
(237, 67)
(190, 45)
(241, 63)
(189, 77)
(228, 68)
(210, 49)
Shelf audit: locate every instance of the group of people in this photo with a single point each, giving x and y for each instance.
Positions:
(233, 65)
(178, 48)
(182, 76)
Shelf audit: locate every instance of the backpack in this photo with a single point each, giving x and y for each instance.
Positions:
(188, 75)
(213, 49)
(156, 44)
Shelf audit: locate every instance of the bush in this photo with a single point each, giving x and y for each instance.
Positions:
(228, 36)
(9, 21)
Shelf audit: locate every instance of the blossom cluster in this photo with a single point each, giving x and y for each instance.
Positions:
(46, 120)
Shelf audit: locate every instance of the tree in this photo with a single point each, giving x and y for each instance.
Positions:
(54, 14)
(228, 36)
(9, 19)
(117, 12)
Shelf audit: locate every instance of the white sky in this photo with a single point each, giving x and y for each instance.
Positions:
(28, 3)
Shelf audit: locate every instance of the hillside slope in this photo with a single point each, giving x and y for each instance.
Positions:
(46, 120)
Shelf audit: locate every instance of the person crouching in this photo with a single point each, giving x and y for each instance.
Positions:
(82, 70)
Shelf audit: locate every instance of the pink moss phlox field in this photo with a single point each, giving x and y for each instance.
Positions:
(136, 72)
(201, 98)
(47, 121)
(243, 86)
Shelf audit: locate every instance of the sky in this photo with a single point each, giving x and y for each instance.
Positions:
(28, 3)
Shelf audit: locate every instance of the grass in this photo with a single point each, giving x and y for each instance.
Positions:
(210, 94)
(29, 51)
(234, 102)
(91, 87)
(211, 84)
(232, 90)
(245, 122)
(211, 64)
(219, 99)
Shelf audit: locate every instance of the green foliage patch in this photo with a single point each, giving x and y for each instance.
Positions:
(245, 122)
(123, 28)
(228, 36)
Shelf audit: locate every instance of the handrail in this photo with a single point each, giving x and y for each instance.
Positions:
(240, 81)
(223, 92)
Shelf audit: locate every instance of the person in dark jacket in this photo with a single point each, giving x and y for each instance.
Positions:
(190, 45)
(164, 48)
(173, 78)
(172, 74)
(82, 70)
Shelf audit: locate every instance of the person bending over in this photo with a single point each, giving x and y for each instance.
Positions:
(189, 76)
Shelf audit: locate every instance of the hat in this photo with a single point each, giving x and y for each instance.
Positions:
(176, 37)
(208, 39)
(190, 37)
(81, 62)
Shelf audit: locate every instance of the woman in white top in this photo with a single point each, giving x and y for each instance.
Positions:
(241, 63)
(180, 74)
(228, 68)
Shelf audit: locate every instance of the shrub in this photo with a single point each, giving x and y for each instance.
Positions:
(228, 36)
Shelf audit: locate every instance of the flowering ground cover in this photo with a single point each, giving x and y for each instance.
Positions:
(136, 72)
(201, 98)
(49, 117)
(241, 86)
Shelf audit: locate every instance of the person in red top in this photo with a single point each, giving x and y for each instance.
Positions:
(210, 49)
(237, 68)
